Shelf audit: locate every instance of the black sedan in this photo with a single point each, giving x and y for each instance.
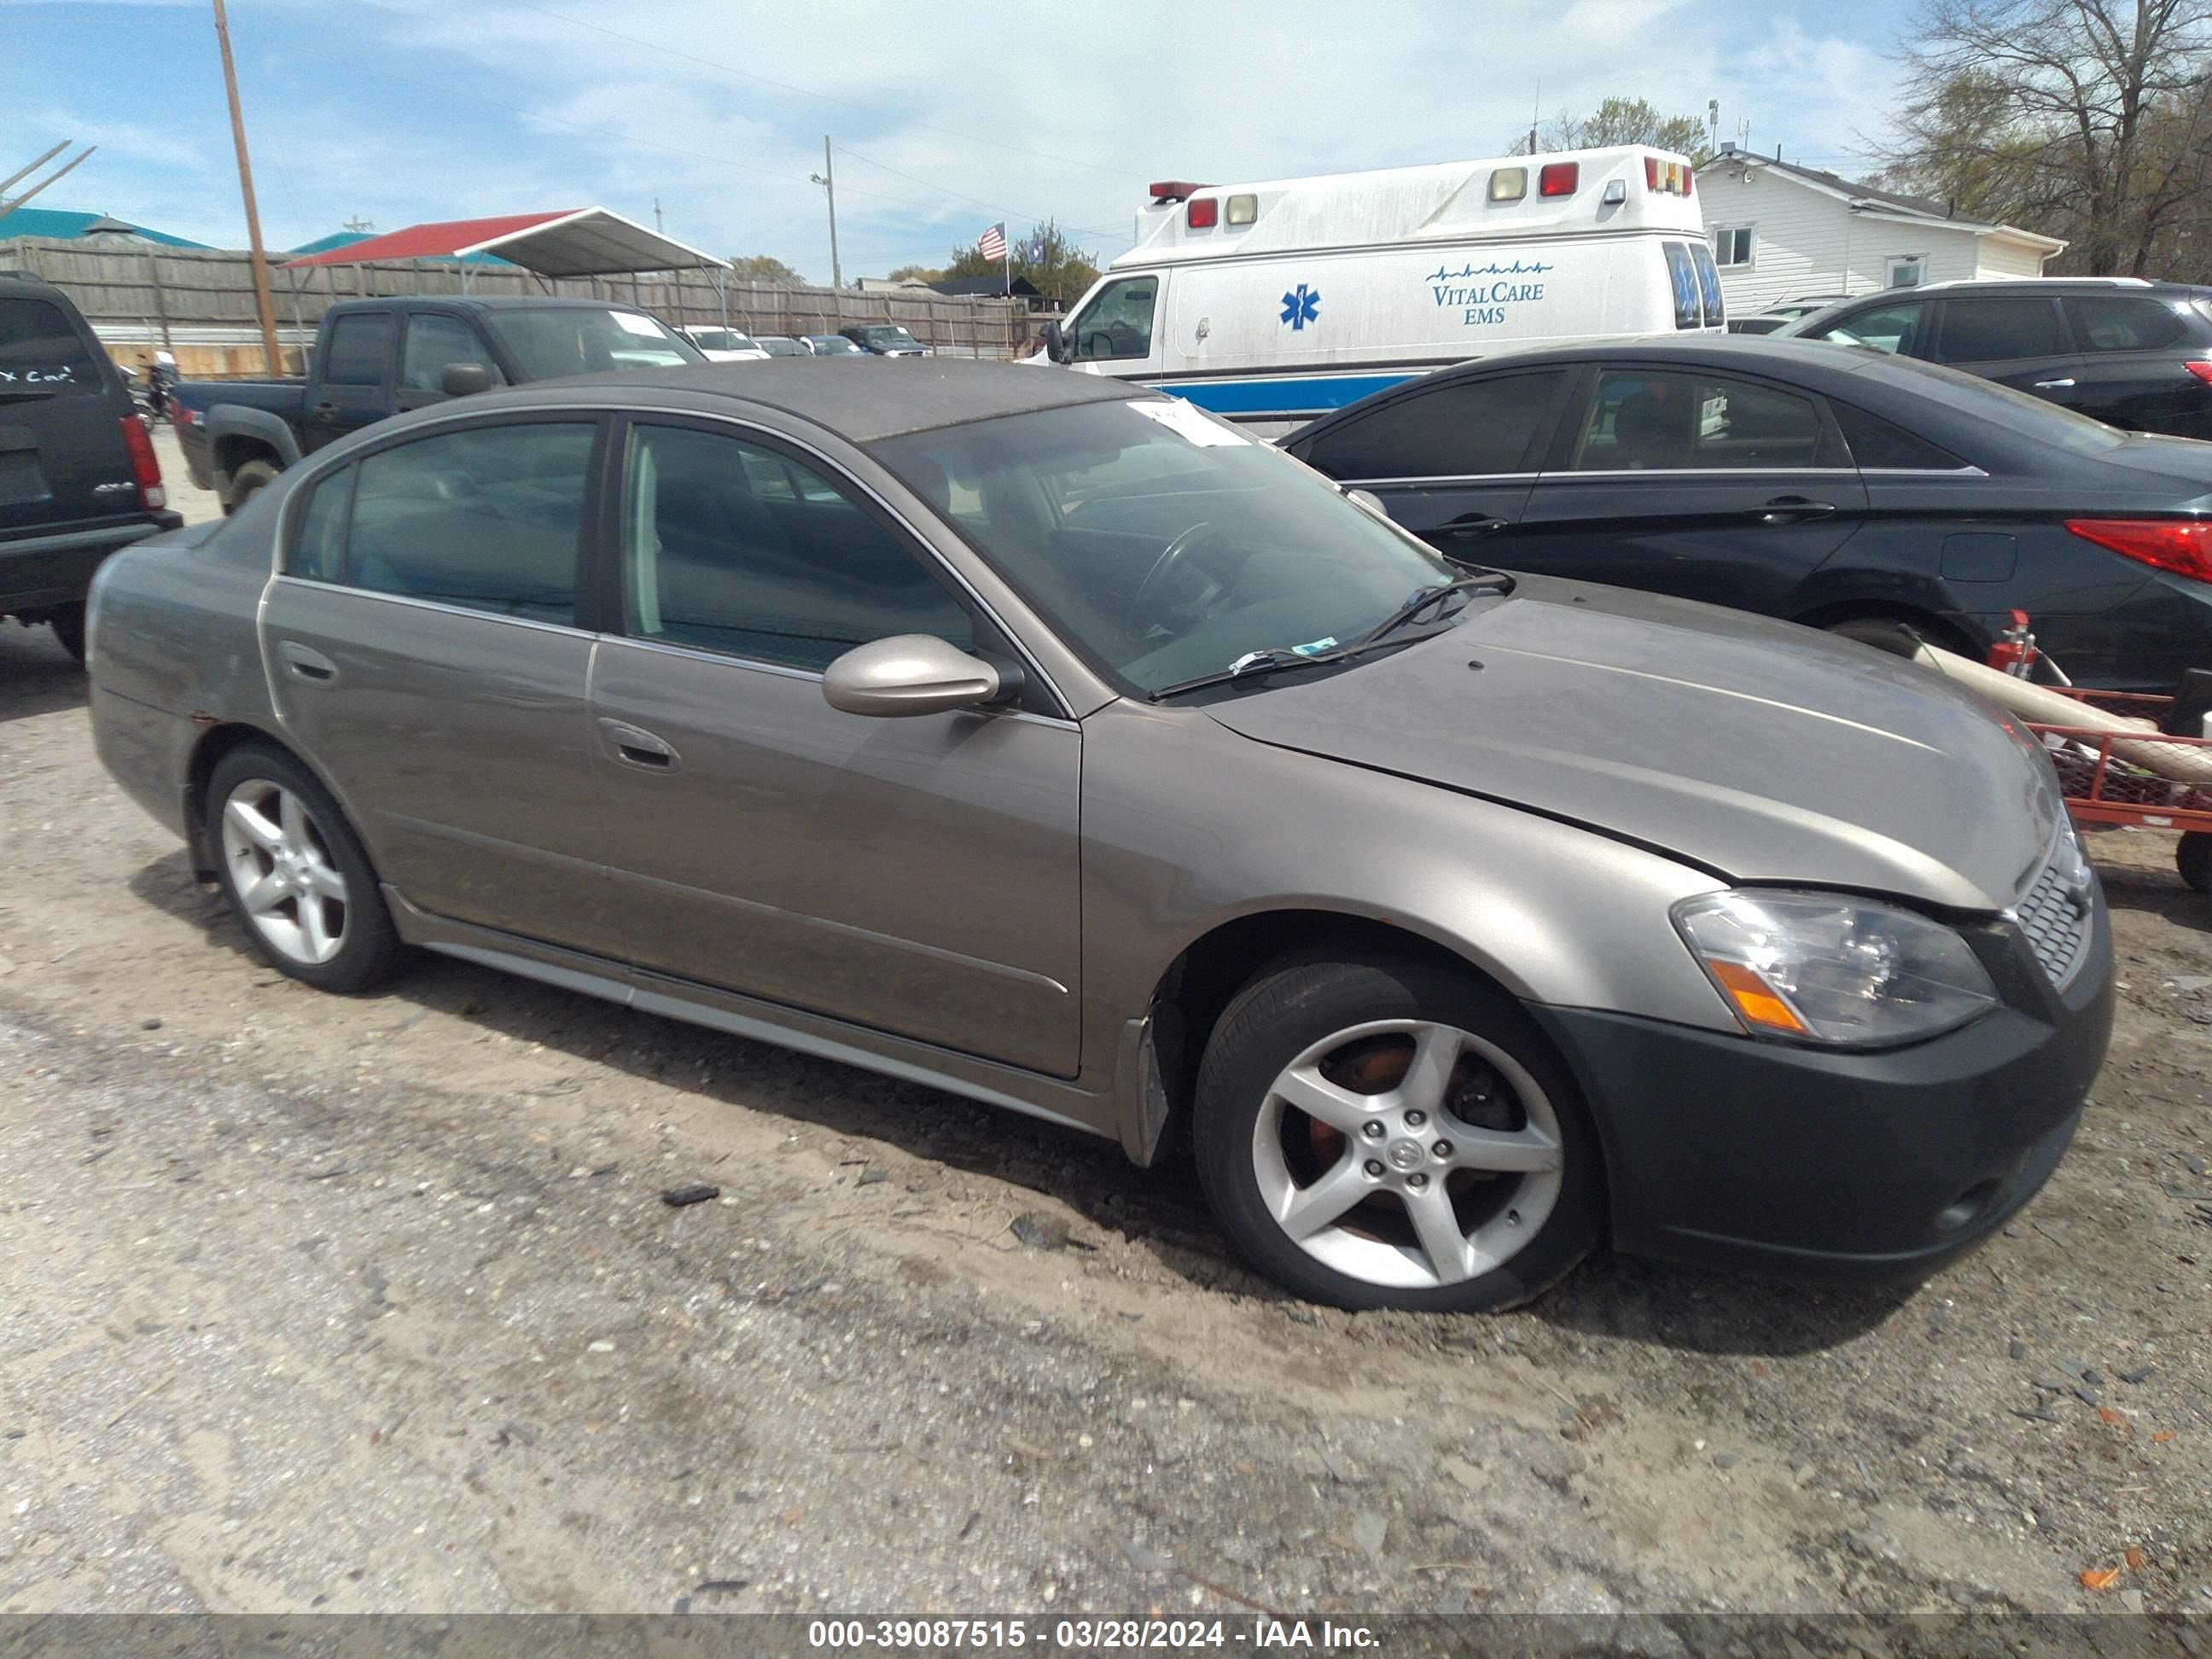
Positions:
(1844, 489)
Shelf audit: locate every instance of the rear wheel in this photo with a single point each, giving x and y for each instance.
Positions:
(250, 477)
(1395, 1135)
(2194, 856)
(298, 876)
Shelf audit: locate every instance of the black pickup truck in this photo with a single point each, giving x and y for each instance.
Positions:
(376, 357)
(78, 477)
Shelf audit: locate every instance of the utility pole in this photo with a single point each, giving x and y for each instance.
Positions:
(263, 304)
(657, 225)
(828, 179)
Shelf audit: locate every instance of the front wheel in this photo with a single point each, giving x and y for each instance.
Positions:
(1395, 1135)
(249, 481)
(296, 874)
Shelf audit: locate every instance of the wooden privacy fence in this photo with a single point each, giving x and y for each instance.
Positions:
(198, 303)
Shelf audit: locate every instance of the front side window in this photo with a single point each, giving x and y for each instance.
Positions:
(1895, 329)
(2113, 322)
(1161, 543)
(434, 345)
(1459, 429)
(360, 346)
(40, 353)
(731, 546)
(1118, 322)
(1646, 421)
(1732, 245)
(487, 518)
(1993, 329)
(550, 341)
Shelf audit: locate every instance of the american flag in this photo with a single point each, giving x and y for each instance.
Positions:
(992, 244)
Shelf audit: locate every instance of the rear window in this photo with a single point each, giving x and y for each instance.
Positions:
(1682, 277)
(360, 346)
(41, 354)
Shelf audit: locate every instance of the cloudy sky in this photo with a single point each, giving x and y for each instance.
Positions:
(946, 116)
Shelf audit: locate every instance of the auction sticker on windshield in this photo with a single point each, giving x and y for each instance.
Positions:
(1186, 421)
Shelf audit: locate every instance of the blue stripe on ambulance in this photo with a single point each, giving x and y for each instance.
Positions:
(1281, 394)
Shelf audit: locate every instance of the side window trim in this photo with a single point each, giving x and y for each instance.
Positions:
(1041, 697)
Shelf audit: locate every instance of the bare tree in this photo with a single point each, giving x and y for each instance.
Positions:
(2088, 118)
(1625, 121)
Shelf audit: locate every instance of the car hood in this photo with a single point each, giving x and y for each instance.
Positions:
(1762, 751)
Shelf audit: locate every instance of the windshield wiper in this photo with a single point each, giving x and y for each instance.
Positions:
(1282, 657)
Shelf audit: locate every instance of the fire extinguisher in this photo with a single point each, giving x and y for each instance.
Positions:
(2014, 652)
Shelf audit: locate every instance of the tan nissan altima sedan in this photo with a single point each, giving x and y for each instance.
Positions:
(1042, 738)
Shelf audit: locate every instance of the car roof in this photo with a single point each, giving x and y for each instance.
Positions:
(493, 302)
(883, 398)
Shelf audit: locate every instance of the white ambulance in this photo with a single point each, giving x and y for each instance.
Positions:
(1271, 303)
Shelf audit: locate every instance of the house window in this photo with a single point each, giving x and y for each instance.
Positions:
(1904, 270)
(1732, 245)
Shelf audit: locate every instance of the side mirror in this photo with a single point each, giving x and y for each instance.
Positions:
(910, 674)
(1055, 343)
(465, 379)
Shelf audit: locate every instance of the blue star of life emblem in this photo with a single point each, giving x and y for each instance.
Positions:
(1302, 307)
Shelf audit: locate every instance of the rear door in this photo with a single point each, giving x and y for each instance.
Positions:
(2016, 340)
(352, 385)
(62, 460)
(1453, 461)
(2135, 353)
(1707, 485)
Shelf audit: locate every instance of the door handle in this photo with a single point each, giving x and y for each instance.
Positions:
(635, 746)
(1791, 509)
(2041, 385)
(306, 663)
(325, 410)
(1469, 525)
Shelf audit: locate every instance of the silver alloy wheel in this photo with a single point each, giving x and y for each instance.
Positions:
(293, 895)
(1408, 1143)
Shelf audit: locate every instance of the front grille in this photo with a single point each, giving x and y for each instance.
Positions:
(2058, 927)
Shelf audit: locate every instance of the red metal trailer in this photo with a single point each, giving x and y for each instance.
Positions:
(2103, 788)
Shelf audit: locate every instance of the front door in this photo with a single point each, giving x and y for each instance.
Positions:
(422, 646)
(1699, 484)
(351, 382)
(919, 875)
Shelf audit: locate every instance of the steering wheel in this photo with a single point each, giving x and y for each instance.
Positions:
(1170, 561)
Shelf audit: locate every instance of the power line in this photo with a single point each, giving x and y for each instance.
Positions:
(827, 98)
(995, 207)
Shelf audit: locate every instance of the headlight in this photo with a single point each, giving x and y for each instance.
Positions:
(1829, 967)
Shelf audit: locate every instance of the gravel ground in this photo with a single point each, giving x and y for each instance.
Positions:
(372, 1304)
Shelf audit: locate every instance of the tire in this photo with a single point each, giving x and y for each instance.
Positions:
(68, 624)
(296, 874)
(1370, 1024)
(247, 479)
(2194, 858)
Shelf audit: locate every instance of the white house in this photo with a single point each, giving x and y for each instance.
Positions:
(1782, 232)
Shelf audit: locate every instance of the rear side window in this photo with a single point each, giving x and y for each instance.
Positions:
(486, 517)
(1461, 428)
(41, 353)
(1878, 446)
(1646, 421)
(1990, 330)
(358, 347)
(1682, 279)
(2125, 323)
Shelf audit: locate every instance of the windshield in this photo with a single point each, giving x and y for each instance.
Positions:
(556, 340)
(883, 337)
(1163, 543)
(718, 339)
(832, 345)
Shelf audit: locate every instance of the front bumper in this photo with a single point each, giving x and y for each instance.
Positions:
(1727, 1152)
